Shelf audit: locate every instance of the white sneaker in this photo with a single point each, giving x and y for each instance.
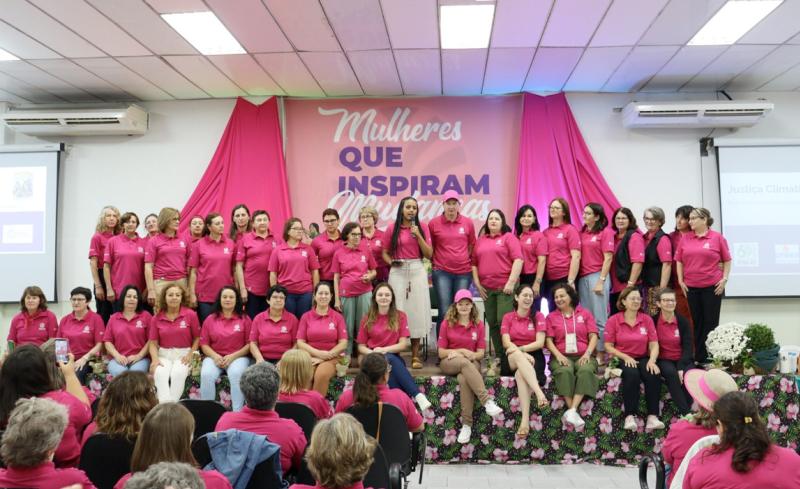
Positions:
(654, 423)
(492, 409)
(422, 401)
(574, 418)
(464, 435)
(630, 423)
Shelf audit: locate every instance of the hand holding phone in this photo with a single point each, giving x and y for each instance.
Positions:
(62, 350)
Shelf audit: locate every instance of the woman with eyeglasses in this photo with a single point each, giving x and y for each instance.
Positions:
(564, 249)
(674, 347)
(84, 329)
(628, 258)
(294, 265)
(327, 243)
(657, 267)
(372, 238)
(274, 331)
(253, 251)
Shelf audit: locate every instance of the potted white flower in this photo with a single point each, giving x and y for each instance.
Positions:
(726, 343)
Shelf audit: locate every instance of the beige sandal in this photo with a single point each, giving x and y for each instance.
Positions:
(416, 363)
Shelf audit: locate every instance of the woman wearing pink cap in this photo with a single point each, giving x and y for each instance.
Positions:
(253, 251)
(327, 243)
(210, 266)
(323, 334)
(165, 257)
(534, 250)
(124, 260)
(108, 226)
(628, 258)
(294, 265)
(372, 239)
(564, 249)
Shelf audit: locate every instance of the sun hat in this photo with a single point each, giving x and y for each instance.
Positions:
(707, 386)
(451, 194)
(462, 294)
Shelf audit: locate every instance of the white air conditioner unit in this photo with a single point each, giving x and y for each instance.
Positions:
(125, 120)
(723, 113)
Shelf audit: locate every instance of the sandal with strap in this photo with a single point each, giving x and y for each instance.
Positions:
(416, 363)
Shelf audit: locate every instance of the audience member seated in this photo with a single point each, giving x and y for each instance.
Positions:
(56, 374)
(273, 331)
(745, 457)
(370, 387)
(167, 475)
(166, 436)
(33, 432)
(674, 347)
(34, 323)
(26, 373)
(296, 374)
(84, 329)
(260, 388)
(123, 406)
(127, 332)
(340, 454)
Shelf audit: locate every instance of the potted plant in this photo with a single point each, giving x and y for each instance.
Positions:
(761, 342)
(726, 343)
(342, 365)
(748, 364)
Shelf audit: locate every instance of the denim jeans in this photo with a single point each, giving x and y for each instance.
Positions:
(446, 285)
(298, 304)
(400, 378)
(597, 304)
(115, 368)
(210, 373)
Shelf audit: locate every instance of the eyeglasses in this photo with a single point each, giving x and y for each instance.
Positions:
(668, 301)
(355, 235)
(78, 299)
(330, 221)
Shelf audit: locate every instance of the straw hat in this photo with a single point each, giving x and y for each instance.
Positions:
(707, 386)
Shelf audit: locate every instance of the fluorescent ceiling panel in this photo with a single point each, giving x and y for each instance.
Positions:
(733, 21)
(205, 32)
(466, 26)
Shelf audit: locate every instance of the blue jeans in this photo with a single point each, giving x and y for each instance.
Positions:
(210, 373)
(256, 304)
(446, 285)
(400, 378)
(597, 304)
(204, 310)
(298, 304)
(114, 367)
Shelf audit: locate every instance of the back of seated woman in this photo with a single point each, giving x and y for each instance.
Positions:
(125, 402)
(370, 387)
(745, 456)
(297, 373)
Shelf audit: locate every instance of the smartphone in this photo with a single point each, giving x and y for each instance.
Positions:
(62, 350)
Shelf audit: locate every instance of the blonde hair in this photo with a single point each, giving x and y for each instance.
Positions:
(101, 220)
(166, 436)
(368, 209)
(340, 453)
(295, 371)
(452, 315)
(165, 217)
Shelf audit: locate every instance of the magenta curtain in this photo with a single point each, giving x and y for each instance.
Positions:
(247, 167)
(555, 162)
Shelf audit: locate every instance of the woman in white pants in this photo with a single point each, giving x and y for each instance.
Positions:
(174, 337)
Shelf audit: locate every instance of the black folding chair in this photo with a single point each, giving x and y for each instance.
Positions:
(105, 459)
(263, 477)
(300, 414)
(382, 474)
(95, 404)
(644, 465)
(205, 413)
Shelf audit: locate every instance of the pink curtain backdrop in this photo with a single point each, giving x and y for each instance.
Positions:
(555, 162)
(248, 168)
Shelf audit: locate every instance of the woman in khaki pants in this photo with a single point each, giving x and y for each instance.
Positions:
(323, 334)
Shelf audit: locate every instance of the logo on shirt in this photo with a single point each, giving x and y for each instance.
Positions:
(363, 259)
(304, 253)
(677, 334)
(580, 319)
(274, 245)
(642, 330)
(528, 241)
(331, 325)
(140, 249)
(139, 324)
(460, 230)
(706, 246)
(474, 336)
(237, 328)
(377, 242)
(499, 242)
(594, 239)
(560, 236)
(41, 327)
(182, 325)
(183, 244)
(86, 329)
(284, 329)
(226, 251)
(530, 326)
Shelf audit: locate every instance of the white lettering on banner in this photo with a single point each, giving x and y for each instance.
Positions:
(396, 130)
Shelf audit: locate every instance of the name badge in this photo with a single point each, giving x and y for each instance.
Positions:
(571, 343)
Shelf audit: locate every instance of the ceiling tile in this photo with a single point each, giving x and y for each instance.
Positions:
(773, 65)
(777, 28)
(288, 70)
(573, 22)
(519, 23)
(164, 77)
(11, 98)
(551, 68)
(23, 46)
(252, 25)
(789, 80)
(140, 21)
(243, 70)
(28, 92)
(412, 24)
(93, 26)
(377, 72)
(506, 69)
(80, 77)
(200, 71)
(358, 24)
(462, 71)
(178, 6)
(729, 64)
(333, 73)
(28, 73)
(304, 23)
(113, 72)
(595, 68)
(626, 21)
(686, 63)
(420, 71)
(680, 20)
(640, 65)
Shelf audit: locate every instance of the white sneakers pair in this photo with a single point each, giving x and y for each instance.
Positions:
(422, 401)
(653, 423)
(492, 409)
(572, 417)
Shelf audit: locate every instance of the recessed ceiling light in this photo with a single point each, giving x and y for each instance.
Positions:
(465, 26)
(205, 32)
(6, 56)
(733, 21)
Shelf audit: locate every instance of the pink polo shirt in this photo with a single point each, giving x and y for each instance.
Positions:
(407, 245)
(79, 415)
(97, 247)
(34, 329)
(44, 476)
(395, 397)
(128, 336)
(581, 322)
(636, 253)
(523, 329)
(253, 252)
(125, 256)
(675, 238)
(472, 337)
(631, 340)
(663, 248)
(211, 478)
(168, 256)
(780, 469)
(534, 245)
(682, 435)
(82, 334)
(375, 246)
(669, 339)
(225, 335)
(213, 261)
(294, 267)
(701, 257)
(282, 431)
(178, 333)
(351, 264)
(452, 241)
(494, 257)
(325, 247)
(274, 338)
(313, 399)
(379, 334)
(593, 249)
(561, 240)
(322, 332)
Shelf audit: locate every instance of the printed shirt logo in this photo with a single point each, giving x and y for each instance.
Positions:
(530, 326)
(363, 259)
(139, 324)
(304, 253)
(460, 230)
(529, 241)
(580, 319)
(377, 242)
(560, 236)
(594, 239)
(183, 245)
(41, 327)
(331, 325)
(474, 336)
(140, 249)
(284, 329)
(237, 328)
(706, 246)
(642, 330)
(677, 333)
(182, 325)
(274, 244)
(226, 251)
(86, 329)
(499, 242)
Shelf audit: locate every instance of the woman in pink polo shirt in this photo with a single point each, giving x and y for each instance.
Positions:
(631, 337)
(681, 228)
(628, 258)
(210, 266)
(700, 277)
(564, 249)
(462, 343)
(370, 387)
(83, 328)
(353, 270)
(384, 330)
(197, 228)
(327, 243)
(174, 337)
(34, 324)
(124, 260)
(225, 343)
(253, 251)
(372, 239)
(241, 223)
(746, 456)
(294, 265)
(108, 226)
(165, 257)
(674, 347)
(127, 335)
(496, 265)
(274, 331)
(534, 250)
(407, 242)
(323, 334)
(657, 267)
(524, 331)
(297, 374)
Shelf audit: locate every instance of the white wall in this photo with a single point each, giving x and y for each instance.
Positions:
(655, 167)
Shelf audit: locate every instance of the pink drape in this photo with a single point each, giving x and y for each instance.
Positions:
(247, 168)
(555, 162)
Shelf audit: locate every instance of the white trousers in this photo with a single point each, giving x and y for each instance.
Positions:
(171, 373)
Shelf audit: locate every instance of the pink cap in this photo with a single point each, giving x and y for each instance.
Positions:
(462, 294)
(451, 194)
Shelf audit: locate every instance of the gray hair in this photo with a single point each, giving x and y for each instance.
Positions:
(34, 429)
(658, 214)
(167, 474)
(260, 384)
